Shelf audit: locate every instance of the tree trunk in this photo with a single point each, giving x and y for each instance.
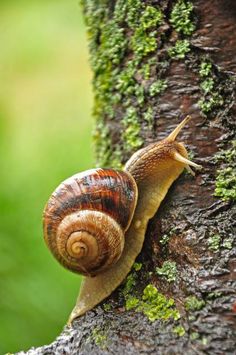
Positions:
(155, 62)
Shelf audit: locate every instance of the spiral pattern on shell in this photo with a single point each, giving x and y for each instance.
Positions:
(86, 217)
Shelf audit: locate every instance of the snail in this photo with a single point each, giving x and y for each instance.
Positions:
(95, 221)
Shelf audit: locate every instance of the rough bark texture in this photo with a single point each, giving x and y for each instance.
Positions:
(193, 229)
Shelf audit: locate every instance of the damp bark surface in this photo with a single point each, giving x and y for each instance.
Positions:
(141, 93)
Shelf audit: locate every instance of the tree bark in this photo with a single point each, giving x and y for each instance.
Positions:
(183, 61)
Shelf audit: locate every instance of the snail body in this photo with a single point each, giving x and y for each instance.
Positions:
(119, 204)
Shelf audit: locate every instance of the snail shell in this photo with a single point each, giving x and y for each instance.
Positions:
(86, 217)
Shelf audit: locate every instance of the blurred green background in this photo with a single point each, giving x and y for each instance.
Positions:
(45, 130)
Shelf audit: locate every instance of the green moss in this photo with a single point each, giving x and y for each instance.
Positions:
(107, 56)
(107, 307)
(165, 239)
(179, 330)
(113, 44)
(228, 243)
(131, 303)
(116, 85)
(143, 43)
(103, 144)
(207, 85)
(151, 17)
(214, 242)
(143, 40)
(99, 337)
(192, 303)
(194, 336)
(149, 117)
(129, 285)
(125, 80)
(131, 132)
(130, 300)
(225, 186)
(133, 10)
(207, 104)
(106, 53)
(157, 87)
(181, 48)
(205, 69)
(145, 70)
(131, 281)
(139, 93)
(214, 295)
(115, 158)
(119, 11)
(137, 266)
(168, 270)
(192, 317)
(228, 155)
(154, 305)
(181, 17)
(107, 46)
(104, 155)
(212, 98)
(129, 30)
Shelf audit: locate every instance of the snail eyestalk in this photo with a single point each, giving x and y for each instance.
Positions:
(185, 161)
(172, 136)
